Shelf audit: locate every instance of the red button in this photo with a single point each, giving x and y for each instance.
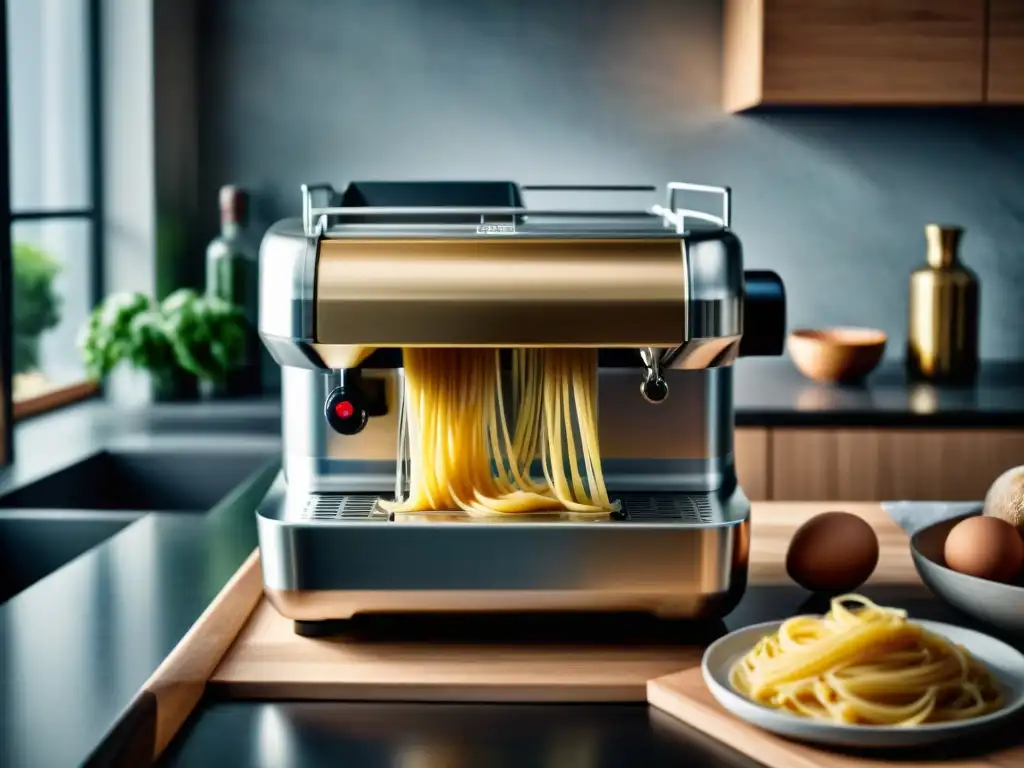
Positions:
(344, 409)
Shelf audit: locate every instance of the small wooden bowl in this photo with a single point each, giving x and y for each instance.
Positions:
(836, 355)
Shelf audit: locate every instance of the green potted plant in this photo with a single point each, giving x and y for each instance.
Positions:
(206, 333)
(184, 339)
(35, 307)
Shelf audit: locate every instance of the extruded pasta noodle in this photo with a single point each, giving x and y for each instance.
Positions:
(867, 665)
(461, 453)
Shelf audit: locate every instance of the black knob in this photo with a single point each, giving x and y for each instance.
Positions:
(764, 315)
(654, 388)
(345, 410)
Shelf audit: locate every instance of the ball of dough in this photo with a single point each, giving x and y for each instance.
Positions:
(1005, 499)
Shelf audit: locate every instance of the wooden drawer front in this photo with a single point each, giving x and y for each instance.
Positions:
(879, 465)
(751, 449)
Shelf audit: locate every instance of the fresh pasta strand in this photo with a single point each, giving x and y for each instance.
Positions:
(869, 665)
(458, 451)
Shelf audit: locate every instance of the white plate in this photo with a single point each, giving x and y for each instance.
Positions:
(1006, 663)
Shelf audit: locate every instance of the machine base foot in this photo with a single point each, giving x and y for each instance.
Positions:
(326, 628)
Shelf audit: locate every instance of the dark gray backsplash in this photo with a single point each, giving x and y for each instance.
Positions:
(579, 91)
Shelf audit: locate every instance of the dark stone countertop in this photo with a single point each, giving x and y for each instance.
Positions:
(77, 647)
(771, 392)
(254, 734)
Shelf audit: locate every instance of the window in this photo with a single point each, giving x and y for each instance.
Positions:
(55, 194)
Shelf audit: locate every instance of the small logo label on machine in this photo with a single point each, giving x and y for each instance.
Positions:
(496, 229)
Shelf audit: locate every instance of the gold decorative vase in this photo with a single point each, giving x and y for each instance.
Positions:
(942, 337)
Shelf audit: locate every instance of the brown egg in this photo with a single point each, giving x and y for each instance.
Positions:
(832, 552)
(986, 547)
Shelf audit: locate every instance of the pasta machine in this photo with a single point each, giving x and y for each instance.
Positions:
(658, 289)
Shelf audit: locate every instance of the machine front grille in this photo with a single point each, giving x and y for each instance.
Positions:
(652, 507)
(342, 506)
(638, 507)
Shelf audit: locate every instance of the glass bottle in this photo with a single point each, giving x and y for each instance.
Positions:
(232, 274)
(942, 337)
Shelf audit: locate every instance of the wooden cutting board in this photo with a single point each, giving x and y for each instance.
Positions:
(268, 660)
(685, 696)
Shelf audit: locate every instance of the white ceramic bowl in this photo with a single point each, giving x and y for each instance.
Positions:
(1001, 605)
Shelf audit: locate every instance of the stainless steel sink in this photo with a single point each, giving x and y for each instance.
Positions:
(141, 481)
(35, 544)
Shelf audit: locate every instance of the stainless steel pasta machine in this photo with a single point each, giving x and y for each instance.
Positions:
(658, 289)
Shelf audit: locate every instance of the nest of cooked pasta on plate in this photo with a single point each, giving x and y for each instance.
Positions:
(865, 675)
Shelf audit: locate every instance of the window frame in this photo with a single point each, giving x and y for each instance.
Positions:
(6, 410)
(93, 213)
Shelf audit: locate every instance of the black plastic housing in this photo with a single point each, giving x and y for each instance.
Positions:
(764, 315)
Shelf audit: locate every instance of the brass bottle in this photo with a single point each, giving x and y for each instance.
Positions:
(942, 338)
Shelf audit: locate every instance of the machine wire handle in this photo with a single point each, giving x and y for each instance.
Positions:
(678, 216)
(315, 219)
(309, 214)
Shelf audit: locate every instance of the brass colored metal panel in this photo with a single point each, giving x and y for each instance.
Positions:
(496, 292)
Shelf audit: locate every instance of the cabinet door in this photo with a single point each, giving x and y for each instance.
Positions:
(880, 465)
(1005, 81)
(751, 452)
(853, 52)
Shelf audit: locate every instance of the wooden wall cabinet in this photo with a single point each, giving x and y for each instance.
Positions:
(866, 52)
(1005, 75)
(889, 464)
